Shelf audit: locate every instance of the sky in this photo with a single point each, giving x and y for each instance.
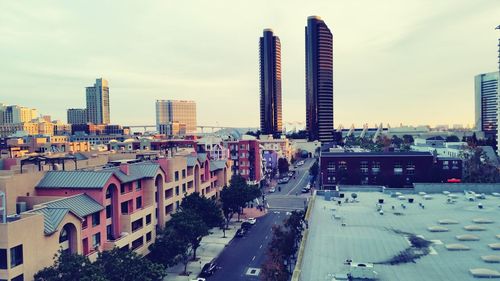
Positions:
(410, 62)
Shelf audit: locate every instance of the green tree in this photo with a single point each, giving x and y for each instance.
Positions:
(314, 169)
(408, 139)
(229, 202)
(70, 267)
(478, 168)
(283, 165)
(273, 268)
(191, 226)
(206, 208)
(170, 248)
(452, 139)
(120, 265)
(235, 197)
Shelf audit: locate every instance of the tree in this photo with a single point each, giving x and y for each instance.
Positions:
(274, 268)
(408, 139)
(283, 165)
(235, 197)
(452, 139)
(167, 248)
(206, 208)
(120, 265)
(314, 169)
(478, 168)
(397, 141)
(229, 202)
(70, 267)
(190, 225)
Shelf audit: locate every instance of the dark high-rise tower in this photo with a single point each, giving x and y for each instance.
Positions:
(319, 80)
(270, 83)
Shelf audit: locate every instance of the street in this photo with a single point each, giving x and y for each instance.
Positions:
(242, 259)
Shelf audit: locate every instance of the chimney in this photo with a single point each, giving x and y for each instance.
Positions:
(124, 168)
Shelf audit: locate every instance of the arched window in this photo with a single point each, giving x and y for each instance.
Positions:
(63, 237)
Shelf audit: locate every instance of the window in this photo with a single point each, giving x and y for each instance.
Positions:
(84, 223)
(148, 219)
(3, 259)
(375, 167)
(169, 193)
(16, 256)
(331, 168)
(108, 193)
(177, 204)
(63, 237)
(109, 233)
(183, 188)
(169, 209)
(109, 211)
(122, 188)
(137, 224)
(176, 175)
(139, 185)
(364, 167)
(184, 173)
(177, 190)
(342, 165)
(96, 219)
(124, 207)
(398, 169)
(138, 202)
(18, 278)
(148, 236)
(137, 243)
(410, 168)
(96, 240)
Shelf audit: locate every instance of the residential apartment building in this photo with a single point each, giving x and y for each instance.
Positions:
(89, 211)
(486, 107)
(76, 116)
(175, 111)
(319, 80)
(270, 83)
(98, 102)
(246, 155)
(14, 114)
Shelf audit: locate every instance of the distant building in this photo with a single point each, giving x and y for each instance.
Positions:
(98, 102)
(77, 116)
(2, 113)
(14, 114)
(319, 80)
(180, 111)
(270, 83)
(486, 98)
(390, 169)
(247, 159)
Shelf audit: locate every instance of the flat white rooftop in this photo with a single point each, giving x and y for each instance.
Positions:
(369, 237)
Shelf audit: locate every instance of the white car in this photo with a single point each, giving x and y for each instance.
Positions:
(251, 220)
(199, 279)
(272, 190)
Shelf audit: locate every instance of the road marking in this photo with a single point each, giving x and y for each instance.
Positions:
(253, 258)
(266, 237)
(300, 180)
(260, 246)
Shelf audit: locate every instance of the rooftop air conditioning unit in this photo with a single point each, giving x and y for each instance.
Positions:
(21, 207)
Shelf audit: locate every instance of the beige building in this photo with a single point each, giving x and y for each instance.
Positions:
(176, 111)
(10, 129)
(281, 146)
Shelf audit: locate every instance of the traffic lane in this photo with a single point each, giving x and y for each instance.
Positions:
(298, 179)
(245, 252)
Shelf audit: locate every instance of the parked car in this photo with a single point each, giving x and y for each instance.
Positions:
(305, 190)
(272, 190)
(251, 220)
(199, 279)
(246, 225)
(240, 232)
(208, 269)
(290, 174)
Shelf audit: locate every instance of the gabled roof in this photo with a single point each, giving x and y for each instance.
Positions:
(217, 165)
(191, 160)
(53, 212)
(82, 205)
(136, 171)
(74, 179)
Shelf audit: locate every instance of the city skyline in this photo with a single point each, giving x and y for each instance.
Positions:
(412, 59)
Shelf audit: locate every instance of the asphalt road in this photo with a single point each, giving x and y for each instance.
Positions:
(291, 197)
(248, 253)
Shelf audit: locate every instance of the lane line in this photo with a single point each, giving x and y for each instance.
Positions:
(297, 184)
(253, 258)
(260, 246)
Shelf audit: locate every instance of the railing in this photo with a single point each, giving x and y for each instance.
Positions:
(300, 254)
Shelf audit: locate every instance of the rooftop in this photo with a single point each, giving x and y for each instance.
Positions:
(369, 237)
(377, 154)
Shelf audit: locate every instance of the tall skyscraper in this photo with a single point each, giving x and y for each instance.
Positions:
(14, 114)
(98, 102)
(270, 83)
(77, 116)
(486, 99)
(176, 111)
(319, 80)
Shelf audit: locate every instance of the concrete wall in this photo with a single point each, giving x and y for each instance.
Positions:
(456, 187)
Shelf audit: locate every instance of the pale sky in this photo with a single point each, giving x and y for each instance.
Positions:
(410, 61)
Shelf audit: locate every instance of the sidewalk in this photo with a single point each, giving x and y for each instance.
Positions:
(211, 246)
